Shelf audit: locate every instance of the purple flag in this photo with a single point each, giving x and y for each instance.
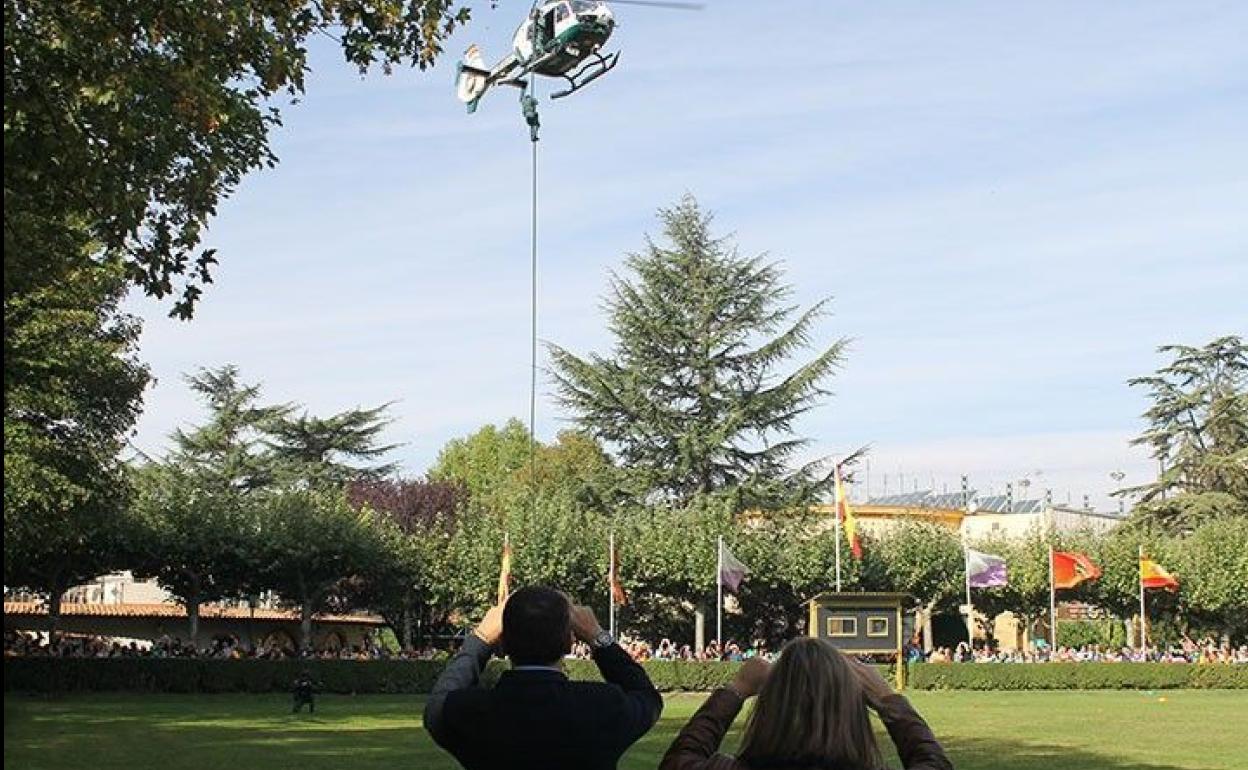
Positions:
(731, 570)
(984, 569)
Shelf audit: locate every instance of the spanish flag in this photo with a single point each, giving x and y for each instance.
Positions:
(846, 516)
(1153, 575)
(1071, 568)
(504, 574)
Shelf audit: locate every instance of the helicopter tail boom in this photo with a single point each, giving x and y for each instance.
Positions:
(471, 78)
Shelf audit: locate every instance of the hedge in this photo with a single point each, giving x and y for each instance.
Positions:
(47, 675)
(185, 675)
(1077, 676)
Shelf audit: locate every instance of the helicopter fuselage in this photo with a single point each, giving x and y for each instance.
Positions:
(560, 35)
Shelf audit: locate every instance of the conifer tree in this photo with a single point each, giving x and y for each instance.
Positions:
(227, 451)
(323, 451)
(1198, 432)
(698, 395)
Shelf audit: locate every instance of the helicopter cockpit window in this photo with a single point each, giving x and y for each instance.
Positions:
(584, 6)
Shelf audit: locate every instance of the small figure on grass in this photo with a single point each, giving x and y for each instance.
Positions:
(304, 692)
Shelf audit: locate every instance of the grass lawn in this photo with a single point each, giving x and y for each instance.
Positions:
(1107, 730)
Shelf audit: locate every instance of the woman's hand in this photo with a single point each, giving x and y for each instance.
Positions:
(751, 677)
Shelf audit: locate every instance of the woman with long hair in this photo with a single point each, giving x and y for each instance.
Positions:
(811, 714)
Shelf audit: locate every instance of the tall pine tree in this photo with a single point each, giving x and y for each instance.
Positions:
(698, 395)
(321, 451)
(1198, 432)
(227, 452)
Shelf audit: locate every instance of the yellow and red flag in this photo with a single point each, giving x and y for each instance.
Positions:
(845, 515)
(617, 588)
(504, 574)
(1071, 568)
(1153, 575)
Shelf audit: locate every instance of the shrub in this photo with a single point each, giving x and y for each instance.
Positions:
(215, 676)
(1076, 676)
(44, 675)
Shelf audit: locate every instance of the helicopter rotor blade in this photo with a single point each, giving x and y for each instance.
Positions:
(662, 4)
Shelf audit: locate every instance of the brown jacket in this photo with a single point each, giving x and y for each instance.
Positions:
(697, 746)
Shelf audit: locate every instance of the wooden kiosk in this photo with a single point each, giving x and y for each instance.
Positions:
(864, 623)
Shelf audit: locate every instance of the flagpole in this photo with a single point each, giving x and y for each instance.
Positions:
(719, 594)
(970, 610)
(611, 583)
(1052, 606)
(837, 499)
(1143, 623)
(838, 549)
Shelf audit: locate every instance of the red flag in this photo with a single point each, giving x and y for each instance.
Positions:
(1153, 575)
(1071, 568)
(846, 516)
(617, 588)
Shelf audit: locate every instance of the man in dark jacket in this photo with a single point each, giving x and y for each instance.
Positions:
(304, 692)
(535, 717)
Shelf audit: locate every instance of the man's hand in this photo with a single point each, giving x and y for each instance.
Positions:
(490, 629)
(751, 677)
(875, 688)
(585, 626)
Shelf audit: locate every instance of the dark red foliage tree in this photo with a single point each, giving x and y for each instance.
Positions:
(410, 503)
(393, 585)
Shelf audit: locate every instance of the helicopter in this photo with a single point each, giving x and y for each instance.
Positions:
(559, 39)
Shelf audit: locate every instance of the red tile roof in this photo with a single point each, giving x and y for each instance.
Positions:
(170, 610)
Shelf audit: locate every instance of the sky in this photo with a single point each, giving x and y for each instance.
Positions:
(1011, 205)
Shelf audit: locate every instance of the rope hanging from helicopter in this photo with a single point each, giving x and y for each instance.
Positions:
(563, 39)
(528, 105)
(529, 100)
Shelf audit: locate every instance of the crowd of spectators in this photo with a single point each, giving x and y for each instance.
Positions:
(20, 644)
(666, 649)
(1188, 651)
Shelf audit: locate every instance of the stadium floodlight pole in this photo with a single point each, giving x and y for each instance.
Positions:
(1052, 606)
(719, 596)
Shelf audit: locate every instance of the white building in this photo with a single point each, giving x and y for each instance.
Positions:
(118, 588)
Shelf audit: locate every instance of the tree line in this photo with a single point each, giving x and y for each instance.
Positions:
(685, 430)
(264, 498)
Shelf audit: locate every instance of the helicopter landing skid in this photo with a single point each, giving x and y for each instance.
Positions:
(600, 66)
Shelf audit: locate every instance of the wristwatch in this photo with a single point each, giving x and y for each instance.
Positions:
(603, 639)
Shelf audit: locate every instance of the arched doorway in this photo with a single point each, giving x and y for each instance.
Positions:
(333, 641)
(278, 640)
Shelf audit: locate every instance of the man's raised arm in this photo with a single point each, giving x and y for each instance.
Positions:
(618, 668)
(463, 671)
